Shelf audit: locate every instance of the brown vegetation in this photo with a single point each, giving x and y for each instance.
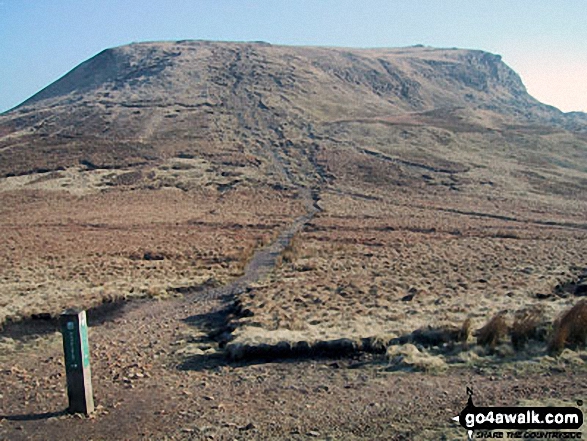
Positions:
(180, 159)
(60, 250)
(493, 332)
(465, 331)
(526, 327)
(570, 328)
(359, 258)
(444, 194)
(291, 252)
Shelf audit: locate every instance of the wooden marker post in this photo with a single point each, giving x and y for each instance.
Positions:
(74, 329)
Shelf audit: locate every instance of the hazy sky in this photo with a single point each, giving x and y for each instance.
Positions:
(544, 41)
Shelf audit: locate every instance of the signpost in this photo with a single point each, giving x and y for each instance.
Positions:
(74, 329)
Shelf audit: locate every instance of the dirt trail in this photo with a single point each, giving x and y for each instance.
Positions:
(264, 260)
(147, 387)
(131, 354)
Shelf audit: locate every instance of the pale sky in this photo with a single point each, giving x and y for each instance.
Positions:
(544, 41)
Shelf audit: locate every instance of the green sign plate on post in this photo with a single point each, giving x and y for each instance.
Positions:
(76, 349)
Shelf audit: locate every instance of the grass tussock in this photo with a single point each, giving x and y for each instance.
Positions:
(246, 253)
(526, 326)
(570, 328)
(493, 331)
(465, 331)
(292, 250)
(409, 357)
(291, 349)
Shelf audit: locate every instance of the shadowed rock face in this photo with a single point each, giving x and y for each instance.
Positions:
(300, 114)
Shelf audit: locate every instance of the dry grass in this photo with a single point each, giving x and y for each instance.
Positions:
(291, 252)
(79, 247)
(466, 331)
(392, 250)
(570, 328)
(359, 258)
(410, 357)
(493, 331)
(428, 218)
(526, 326)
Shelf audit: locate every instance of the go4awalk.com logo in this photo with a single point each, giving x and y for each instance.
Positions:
(520, 422)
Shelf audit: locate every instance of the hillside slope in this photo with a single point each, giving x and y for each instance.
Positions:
(154, 168)
(288, 202)
(273, 114)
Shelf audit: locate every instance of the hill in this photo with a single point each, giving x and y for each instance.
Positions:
(279, 129)
(399, 210)
(256, 107)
